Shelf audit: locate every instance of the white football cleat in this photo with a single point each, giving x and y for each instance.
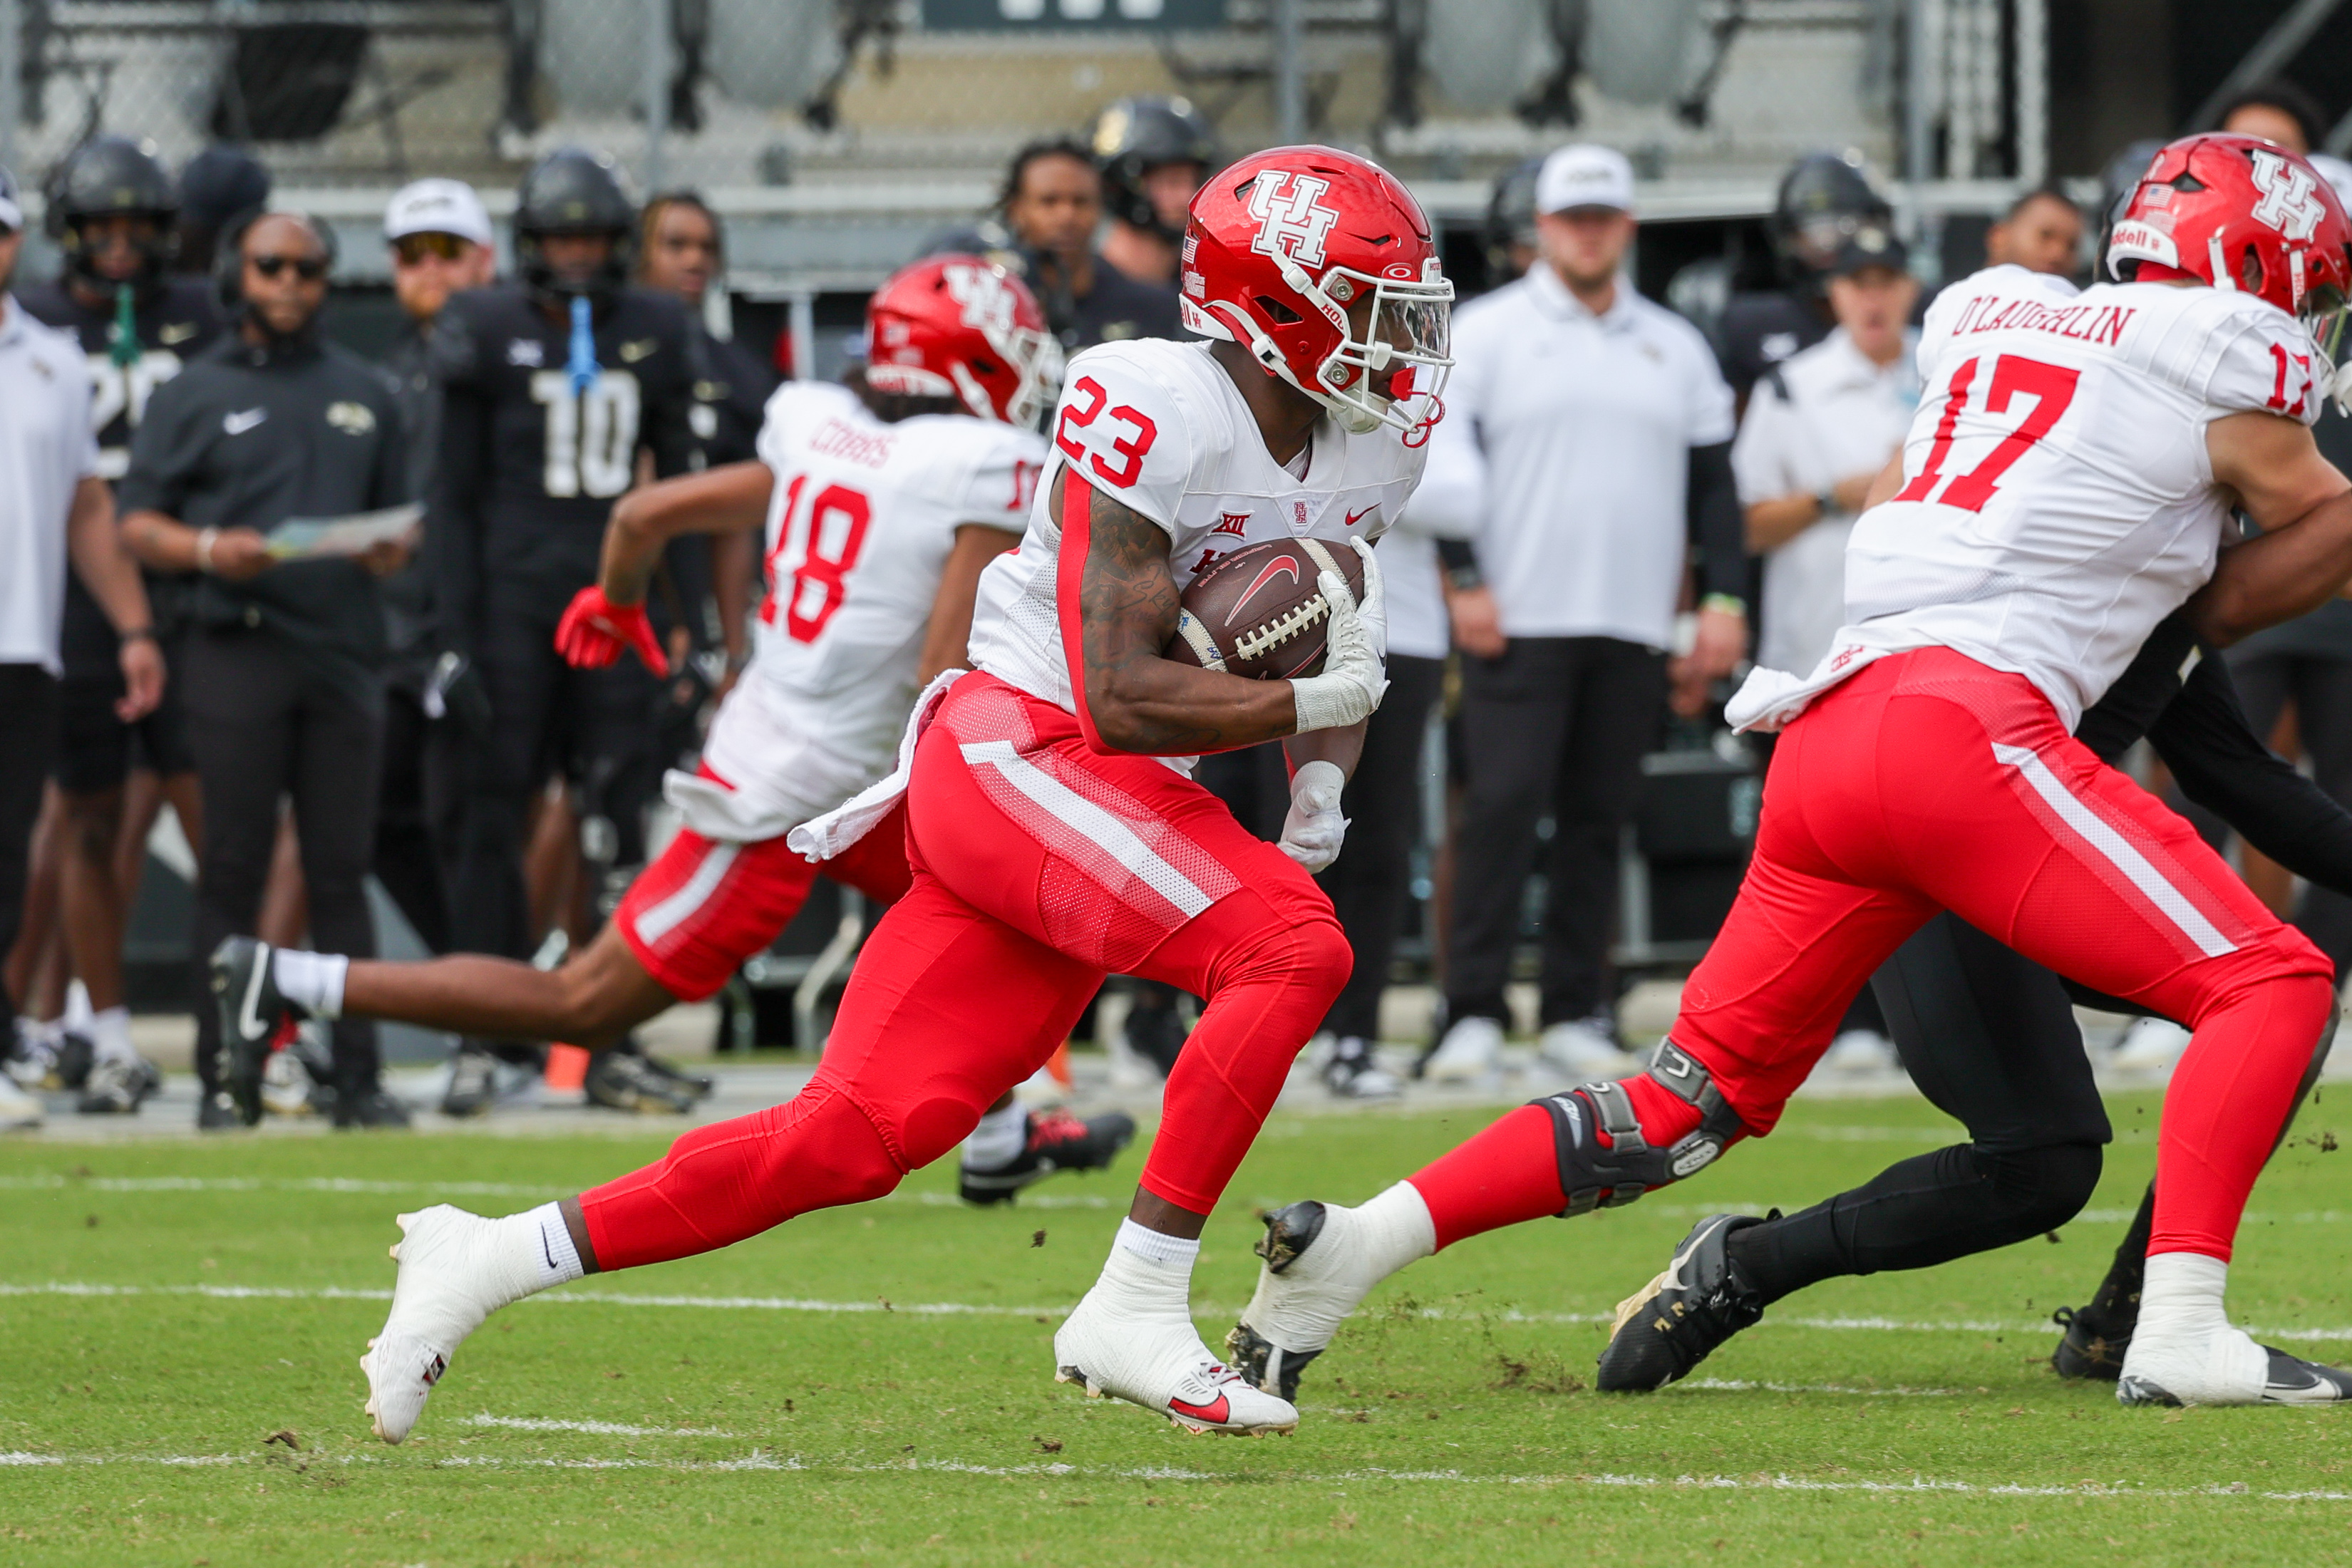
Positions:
(2226, 1367)
(1157, 1361)
(450, 1279)
(1861, 1051)
(2150, 1044)
(1471, 1052)
(1321, 1261)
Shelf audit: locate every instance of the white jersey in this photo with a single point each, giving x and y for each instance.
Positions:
(2059, 501)
(860, 526)
(1160, 427)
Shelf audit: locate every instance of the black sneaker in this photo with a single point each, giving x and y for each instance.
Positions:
(621, 1080)
(473, 1083)
(2092, 1346)
(1670, 1324)
(694, 1083)
(1057, 1142)
(217, 1112)
(118, 1088)
(370, 1109)
(1353, 1073)
(251, 1012)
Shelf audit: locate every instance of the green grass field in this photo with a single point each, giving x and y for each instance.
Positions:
(874, 1384)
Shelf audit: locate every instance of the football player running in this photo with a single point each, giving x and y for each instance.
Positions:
(1051, 828)
(882, 503)
(2064, 488)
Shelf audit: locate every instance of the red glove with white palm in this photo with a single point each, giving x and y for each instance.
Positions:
(594, 630)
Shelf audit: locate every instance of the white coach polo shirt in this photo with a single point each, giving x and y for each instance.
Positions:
(47, 448)
(1829, 415)
(1586, 423)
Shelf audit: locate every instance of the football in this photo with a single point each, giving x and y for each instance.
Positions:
(1260, 613)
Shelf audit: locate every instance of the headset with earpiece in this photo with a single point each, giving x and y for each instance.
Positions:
(228, 259)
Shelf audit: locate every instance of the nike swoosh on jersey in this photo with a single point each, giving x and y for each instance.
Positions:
(176, 333)
(1356, 517)
(1217, 1413)
(633, 351)
(1285, 565)
(238, 424)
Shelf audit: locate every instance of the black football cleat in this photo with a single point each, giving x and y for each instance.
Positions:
(473, 1083)
(370, 1109)
(119, 1088)
(252, 1011)
(2091, 1347)
(1670, 1324)
(699, 1085)
(622, 1080)
(1156, 1034)
(217, 1112)
(1057, 1141)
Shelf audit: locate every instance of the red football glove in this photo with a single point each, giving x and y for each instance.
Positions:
(594, 630)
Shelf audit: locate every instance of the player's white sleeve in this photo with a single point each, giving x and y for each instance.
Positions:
(1128, 433)
(788, 409)
(1002, 481)
(1759, 453)
(2264, 361)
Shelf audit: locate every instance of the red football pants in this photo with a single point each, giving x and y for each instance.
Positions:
(1040, 866)
(1929, 780)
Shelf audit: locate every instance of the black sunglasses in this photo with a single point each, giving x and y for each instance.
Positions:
(310, 268)
(413, 248)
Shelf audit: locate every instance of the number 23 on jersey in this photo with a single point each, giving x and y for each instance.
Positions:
(816, 549)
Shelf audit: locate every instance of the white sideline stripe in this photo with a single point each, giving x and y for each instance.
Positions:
(1082, 816)
(666, 916)
(988, 1310)
(351, 1185)
(595, 1428)
(759, 1459)
(2094, 830)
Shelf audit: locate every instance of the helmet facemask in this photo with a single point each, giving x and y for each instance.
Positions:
(1392, 371)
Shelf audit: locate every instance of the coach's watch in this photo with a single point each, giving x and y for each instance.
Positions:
(1826, 503)
(1727, 604)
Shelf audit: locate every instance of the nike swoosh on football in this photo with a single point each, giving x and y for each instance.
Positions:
(1216, 1415)
(238, 424)
(1265, 574)
(1356, 517)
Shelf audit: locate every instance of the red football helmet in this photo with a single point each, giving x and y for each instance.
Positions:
(2243, 213)
(1282, 247)
(956, 326)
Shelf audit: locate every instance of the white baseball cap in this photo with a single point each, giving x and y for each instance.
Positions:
(1584, 176)
(437, 206)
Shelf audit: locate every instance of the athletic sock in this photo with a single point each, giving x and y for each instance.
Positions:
(999, 1138)
(2181, 1299)
(1395, 1228)
(109, 1035)
(311, 980)
(535, 1251)
(1147, 1272)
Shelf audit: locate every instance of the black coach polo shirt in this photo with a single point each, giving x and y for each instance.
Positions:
(248, 438)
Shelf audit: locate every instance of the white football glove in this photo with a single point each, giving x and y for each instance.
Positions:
(1356, 645)
(1312, 833)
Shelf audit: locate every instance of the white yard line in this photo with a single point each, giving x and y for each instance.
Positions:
(1002, 1310)
(760, 1460)
(595, 1429)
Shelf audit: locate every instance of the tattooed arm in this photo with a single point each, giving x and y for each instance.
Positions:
(1130, 699)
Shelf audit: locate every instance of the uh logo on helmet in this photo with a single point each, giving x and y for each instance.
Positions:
(960, 327)
(1324, 267)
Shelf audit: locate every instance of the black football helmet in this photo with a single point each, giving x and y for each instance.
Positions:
(1824, 200)
(108, 177)
(1136, 135)
(1511, 217)
(574, 191)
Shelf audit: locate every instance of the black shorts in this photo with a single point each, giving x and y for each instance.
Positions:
(96, 750)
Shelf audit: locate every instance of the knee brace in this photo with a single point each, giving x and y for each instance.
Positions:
(1597, 1177)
